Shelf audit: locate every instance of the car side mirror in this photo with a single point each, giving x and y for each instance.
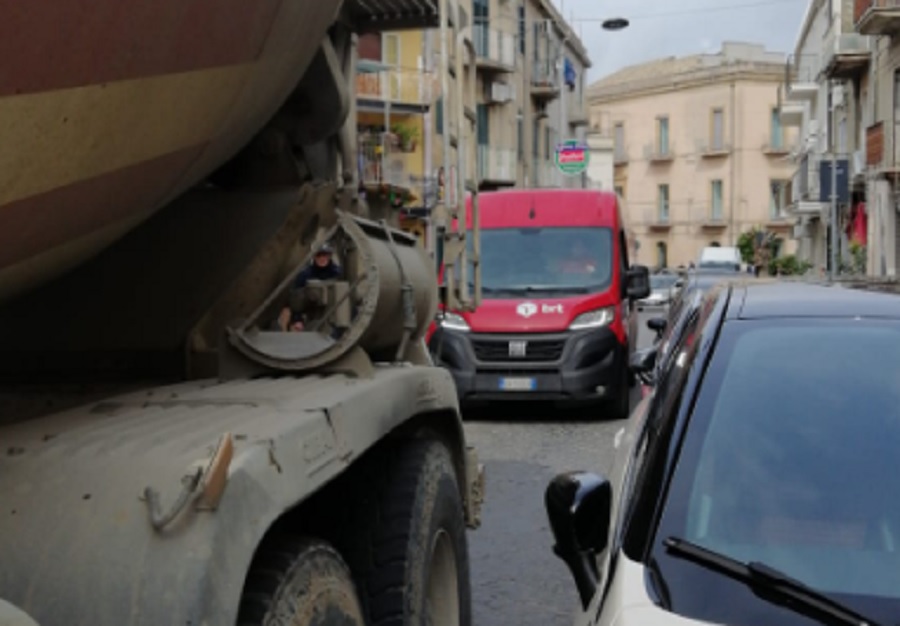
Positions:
(657, 325)
(638, 282)
(579, 506)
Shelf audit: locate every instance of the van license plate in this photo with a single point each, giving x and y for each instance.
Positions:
(518, 384)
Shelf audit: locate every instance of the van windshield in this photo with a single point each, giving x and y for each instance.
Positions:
(557, 260)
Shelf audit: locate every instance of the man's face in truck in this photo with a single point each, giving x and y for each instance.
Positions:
(580, 260)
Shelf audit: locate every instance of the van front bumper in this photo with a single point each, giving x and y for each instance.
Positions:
(572, 367)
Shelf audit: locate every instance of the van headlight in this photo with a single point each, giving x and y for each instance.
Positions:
(594, 319)
(453, 321)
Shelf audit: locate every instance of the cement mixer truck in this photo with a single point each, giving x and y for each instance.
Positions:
(170, 454)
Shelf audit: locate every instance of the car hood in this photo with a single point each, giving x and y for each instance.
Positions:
(628, 604)
(532, 315)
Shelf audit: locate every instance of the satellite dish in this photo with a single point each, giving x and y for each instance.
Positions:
(615, 23)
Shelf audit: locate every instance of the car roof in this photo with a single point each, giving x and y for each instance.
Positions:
(763, 299)
(546, 208)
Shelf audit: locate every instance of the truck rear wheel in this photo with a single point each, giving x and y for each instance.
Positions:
(299, 582)
(413, 569)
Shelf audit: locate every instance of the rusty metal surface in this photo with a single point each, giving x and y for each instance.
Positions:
(73, 524)
(91, 147)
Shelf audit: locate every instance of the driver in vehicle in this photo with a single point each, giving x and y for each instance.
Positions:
(323, 267)
(579, 259)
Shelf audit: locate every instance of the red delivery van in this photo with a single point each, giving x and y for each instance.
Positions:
(557, 320)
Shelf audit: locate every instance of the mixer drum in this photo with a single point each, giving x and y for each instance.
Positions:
(383, 303)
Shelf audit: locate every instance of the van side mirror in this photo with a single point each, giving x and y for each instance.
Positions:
(579, 506)
(637, 282)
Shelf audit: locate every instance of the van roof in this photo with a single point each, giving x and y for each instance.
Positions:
(547, 207)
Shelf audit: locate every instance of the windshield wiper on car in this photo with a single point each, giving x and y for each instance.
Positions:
(802, 599)
(549, 289)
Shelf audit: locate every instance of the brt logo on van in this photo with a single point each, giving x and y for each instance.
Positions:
(527, 309)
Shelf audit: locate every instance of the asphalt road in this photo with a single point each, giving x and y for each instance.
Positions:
(516, 579)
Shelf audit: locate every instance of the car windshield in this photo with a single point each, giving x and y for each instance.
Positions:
(791, 460)
(557, 260)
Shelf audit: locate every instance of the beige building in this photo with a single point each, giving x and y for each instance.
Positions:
(700, 152)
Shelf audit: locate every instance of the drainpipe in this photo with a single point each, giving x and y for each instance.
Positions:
(734, 156)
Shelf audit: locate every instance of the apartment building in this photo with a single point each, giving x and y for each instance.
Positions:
(876, 93)
(530, 72)
(824, 95)
(699, 150)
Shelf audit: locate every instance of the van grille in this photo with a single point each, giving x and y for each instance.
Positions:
(498, 350)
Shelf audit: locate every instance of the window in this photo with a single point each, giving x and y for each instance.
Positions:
(620, 191)
(520, 136)
(522, 31)
(484, 127)
(662, 135)
(548, 142)
(619, 142)
(662, 203)
(777, 139)
(439, 116)
(536, 139)
(778, 199)
(716, 200)
(717, 135)
(662, 252)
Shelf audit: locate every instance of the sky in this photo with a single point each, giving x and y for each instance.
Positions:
(662, 28)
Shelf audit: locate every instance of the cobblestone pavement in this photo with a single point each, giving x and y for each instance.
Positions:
(516, 579)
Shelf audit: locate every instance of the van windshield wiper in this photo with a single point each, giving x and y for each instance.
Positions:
(803, 599)
(548, 289)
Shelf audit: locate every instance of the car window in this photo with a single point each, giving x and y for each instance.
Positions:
(791, 460)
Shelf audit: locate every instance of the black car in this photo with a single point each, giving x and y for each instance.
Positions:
(757, 483)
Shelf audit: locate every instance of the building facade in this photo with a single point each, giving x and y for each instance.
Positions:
(699, 150)
(824, 96)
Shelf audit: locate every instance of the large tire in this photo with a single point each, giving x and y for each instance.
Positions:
(620, 406)
(299, 582)
(409, 550)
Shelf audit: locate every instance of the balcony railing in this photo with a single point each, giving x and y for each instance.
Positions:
(494, 48)
(497, 165)
(577, 110)
(656, 153)
(383, 165)
(846, 55)
(398, 86)
(877, 17)
(658, 218)
(714, 148)
(801, 77)
(544, 79)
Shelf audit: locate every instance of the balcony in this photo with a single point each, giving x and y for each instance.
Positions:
(391, 174)
(801, 77)
(577, 110)
(875, 145)
(713, 221)
(714, 149)
(805, 188)
(656, 153)
(776, 147)
(658, 219)
(780, 220)
(789, 112)
(544, 80)
(620, 156)
(877, 17)
(846, 55)
(495, 50)
(390, 15)
(497, 166)
(414, 89)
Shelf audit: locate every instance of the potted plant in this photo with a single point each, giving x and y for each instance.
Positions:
(407, 134)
